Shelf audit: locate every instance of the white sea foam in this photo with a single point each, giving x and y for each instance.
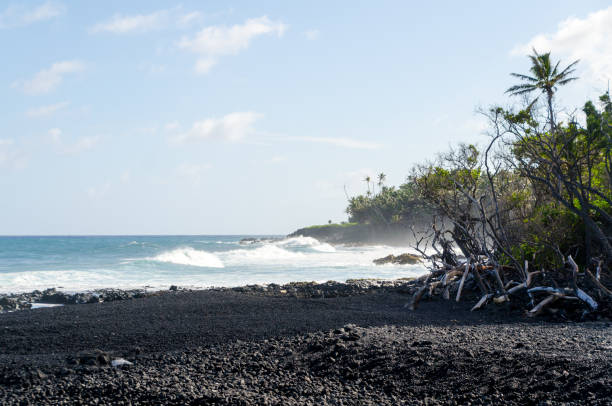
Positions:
(189, 256)
(307, 253)
(265, 253)
(299, 241)
(324, 248)
(67, 280)
(309, 242)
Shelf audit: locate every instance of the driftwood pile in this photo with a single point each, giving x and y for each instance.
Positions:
(568, 291)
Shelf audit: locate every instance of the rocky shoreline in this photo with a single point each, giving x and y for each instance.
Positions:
(24, 301)
(299, 343)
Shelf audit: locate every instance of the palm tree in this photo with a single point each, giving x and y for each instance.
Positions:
(545, 78)
(381, 179)
(368, 179)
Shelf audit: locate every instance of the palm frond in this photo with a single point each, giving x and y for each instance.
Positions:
(538, 69)
(565, 81)
(522, 86)
(554, 71)
(517, 92)
(524, 77)
(569, 68)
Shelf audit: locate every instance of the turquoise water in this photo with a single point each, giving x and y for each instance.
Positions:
(156, 262)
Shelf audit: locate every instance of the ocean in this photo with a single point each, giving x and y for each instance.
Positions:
(81, 263)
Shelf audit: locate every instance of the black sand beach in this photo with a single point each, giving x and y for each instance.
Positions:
(227, 347)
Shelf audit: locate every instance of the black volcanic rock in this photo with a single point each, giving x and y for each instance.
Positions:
(358, 234)
(402, 259)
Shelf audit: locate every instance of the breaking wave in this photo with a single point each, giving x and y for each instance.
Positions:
(264, 253)
(189, 256)
(307, 242)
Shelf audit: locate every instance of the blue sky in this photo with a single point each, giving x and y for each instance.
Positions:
(210, 117)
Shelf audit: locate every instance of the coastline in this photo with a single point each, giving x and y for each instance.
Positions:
(26, 300)
(232, 346)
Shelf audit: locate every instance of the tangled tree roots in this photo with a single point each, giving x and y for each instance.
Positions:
(567, 293)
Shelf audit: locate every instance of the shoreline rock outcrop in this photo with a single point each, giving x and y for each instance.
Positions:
(357, 234)
(23, 301)
(402, 259)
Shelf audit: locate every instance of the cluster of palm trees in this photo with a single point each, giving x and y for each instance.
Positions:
(381, 182)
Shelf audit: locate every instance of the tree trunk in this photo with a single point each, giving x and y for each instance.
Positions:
(551, 118)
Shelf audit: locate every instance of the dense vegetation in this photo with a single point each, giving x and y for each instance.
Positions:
(539, 190)
(390, 205)
(538, 196)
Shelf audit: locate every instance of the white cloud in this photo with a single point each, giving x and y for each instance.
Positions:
(43, 12)
(15, 16)
(232, 127)
(188, 19)
(588, 39)
(81, 145)
(48, 110)
(204, 65)
(239, 125)
(48, 79)
(336, 141)
(120, 24)
(312, 34)
(222, 40)
(216, 41)
(123, 24)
